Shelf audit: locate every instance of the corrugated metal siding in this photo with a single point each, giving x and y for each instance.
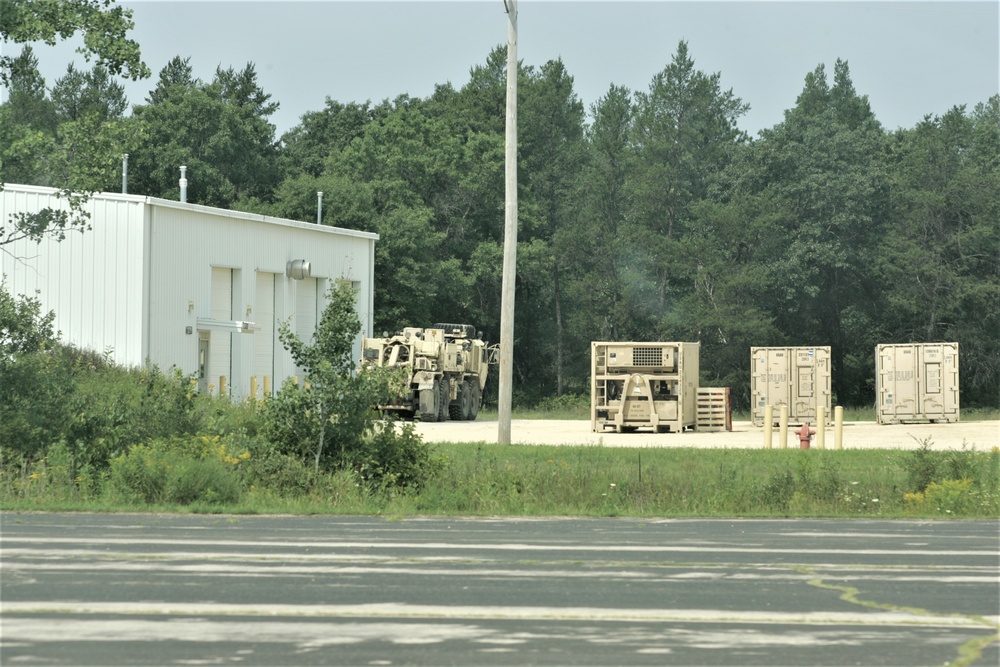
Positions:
(91, 280)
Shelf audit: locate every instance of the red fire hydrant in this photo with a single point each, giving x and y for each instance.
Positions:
(805, 435)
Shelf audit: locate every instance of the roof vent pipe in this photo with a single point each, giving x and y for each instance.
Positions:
(184, 184)
(319, 208)
(124, 173)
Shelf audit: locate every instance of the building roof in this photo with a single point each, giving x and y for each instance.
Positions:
(169, 203)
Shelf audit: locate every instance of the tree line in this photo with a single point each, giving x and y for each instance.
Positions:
(648, 216)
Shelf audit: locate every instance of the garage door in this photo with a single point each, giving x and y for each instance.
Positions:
(305, 309)
(221, 342)
(263, 336)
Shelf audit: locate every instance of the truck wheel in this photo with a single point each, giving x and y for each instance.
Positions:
(455, 407)
(459, 409)
(467, 400)
(476, 400)
(444, 395)
(429, 403)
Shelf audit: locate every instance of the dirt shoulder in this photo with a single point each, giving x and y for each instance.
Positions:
(980, 435)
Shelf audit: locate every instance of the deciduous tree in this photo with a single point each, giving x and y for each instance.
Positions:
(104, 27)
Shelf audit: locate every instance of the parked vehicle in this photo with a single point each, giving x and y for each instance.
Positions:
(447, 365)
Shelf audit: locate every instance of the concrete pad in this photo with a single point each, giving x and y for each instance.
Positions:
(979, 435)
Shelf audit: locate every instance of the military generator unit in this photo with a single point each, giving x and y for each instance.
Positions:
(644, 385)
(446, 366)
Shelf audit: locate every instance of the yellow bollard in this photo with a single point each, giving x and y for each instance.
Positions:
(821, 427)
(267, 386)
(838, 427)
(253, 387)
(783, 426)
(222, 385)
(768, 425)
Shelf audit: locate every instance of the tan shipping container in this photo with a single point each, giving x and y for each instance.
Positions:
(644, 385)
(798, 377)
(917, 382)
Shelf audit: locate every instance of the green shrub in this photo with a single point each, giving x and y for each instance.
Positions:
(964, 481)
(395, 456)
(98, 409)
(333, 422)
(576, 406)
(923, 466)
(36, 392)
(951, 496)
(776, 493)
(270, 471)
(288, 422)
(177, 471)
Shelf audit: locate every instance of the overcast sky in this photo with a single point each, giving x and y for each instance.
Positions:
(909, 58)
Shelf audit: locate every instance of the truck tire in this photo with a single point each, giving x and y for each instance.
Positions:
(429, 399)
(475, 400)
(444, 395)
(460, 407)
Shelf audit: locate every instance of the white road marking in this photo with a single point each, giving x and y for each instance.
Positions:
(306, 634)
(450, 546)
(163, 565)
(311, 636)
(466, 612)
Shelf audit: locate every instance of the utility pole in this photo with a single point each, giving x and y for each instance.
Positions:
(510, 234)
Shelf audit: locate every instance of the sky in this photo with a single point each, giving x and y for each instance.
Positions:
(910, 59)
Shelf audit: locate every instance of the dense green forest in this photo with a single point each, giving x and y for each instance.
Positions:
(648, 216)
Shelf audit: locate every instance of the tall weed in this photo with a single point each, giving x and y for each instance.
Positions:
(176, 471)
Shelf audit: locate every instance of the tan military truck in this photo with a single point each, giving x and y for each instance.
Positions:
(447, 365)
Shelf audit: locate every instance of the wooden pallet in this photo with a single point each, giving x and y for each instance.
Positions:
(715, 412)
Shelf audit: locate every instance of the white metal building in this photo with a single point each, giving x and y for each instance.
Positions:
(184, 286)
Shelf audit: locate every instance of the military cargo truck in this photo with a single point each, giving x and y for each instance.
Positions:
(446, 364)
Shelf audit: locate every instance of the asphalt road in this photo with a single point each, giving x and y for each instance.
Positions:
(88, 589)
(981, 435)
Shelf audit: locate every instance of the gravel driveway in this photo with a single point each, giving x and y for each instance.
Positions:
(980, 435)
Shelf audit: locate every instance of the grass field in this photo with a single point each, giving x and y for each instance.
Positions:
(515, 480)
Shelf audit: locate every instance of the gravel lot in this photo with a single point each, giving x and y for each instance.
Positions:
(980, 435)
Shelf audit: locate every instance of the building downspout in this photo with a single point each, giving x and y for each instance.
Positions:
(147, 281)
(371, 287)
